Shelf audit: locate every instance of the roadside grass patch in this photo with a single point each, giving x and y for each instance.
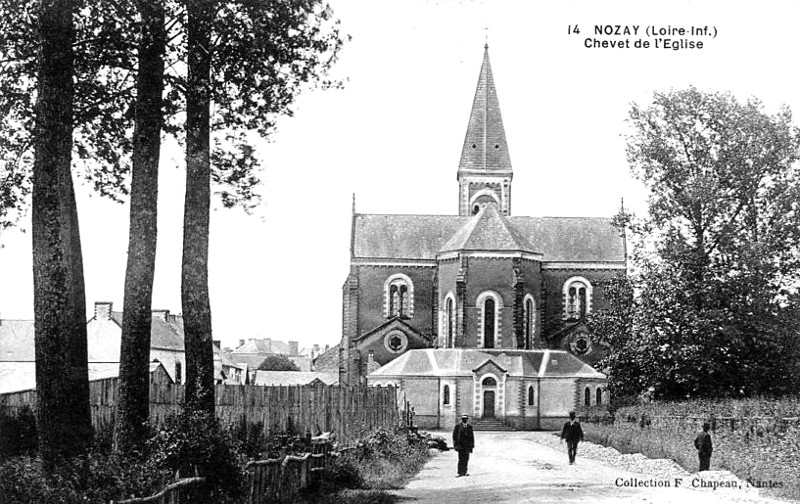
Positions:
(758, 440)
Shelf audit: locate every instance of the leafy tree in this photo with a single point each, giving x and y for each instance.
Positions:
(278, 362)
(249, 59)
(717, 256)
(62, 377)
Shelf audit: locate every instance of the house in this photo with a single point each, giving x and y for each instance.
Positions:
(273, 378)
(17, 357)
(254, 350)
(225, 370)
(478, 284)
(328, 361)
(104, 335)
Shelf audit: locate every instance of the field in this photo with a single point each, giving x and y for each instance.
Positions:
(756, 439)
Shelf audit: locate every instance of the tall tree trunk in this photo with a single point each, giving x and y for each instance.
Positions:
(194, 271)
(62, 378)
(134, 404)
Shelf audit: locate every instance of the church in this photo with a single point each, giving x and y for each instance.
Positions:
(481, 312)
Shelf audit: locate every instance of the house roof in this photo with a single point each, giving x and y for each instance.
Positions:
(166, 331)
(328, 361)
(485, 147)
(462, 362)
(262, 346)
(294, 378)
(488, 230)
(421, 237)
(17, 341)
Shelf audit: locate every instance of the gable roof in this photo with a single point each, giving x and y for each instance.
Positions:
(421, 237)
(488, 230)
(485, 148)
(328, 361)
(462, 362)
(166, 331)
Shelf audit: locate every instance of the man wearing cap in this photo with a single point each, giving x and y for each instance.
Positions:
(463, 442)
(573, 434)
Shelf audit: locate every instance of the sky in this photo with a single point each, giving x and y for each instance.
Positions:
(393, 138)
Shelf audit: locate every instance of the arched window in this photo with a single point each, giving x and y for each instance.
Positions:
(587, 397)
(529, 321)
(489, 382)
(446, 394)
(490, 305)
(178, 372)
(599, 394)
(577, 298)
(531, 396)
(488, 323)
(450, 322)
(398, 297)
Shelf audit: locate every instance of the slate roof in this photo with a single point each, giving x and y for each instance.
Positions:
(263, 346)
(462, 362)
(165, 333)
(485, 147)
(488, 230)
(421, 237)
(17, 341)
(294, 378)
(328, 361)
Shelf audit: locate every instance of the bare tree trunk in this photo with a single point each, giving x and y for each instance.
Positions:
(134, 405)
(62, 378)
(194, 271)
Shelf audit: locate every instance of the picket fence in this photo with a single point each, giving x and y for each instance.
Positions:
(347, 412)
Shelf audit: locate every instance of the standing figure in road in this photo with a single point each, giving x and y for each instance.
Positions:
(704, 448)
(573, 434)
(463, 442)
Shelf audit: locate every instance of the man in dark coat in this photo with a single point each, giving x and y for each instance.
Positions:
(463, 442)
(704, 448)
(573, 434)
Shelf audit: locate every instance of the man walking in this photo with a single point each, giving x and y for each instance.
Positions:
(463, 442)
(573, 434)
(704, 448)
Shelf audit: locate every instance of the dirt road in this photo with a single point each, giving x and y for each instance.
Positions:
(519, 467)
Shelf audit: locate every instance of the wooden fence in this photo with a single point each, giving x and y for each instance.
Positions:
(282, 479)
(184, 490)
(348, 412)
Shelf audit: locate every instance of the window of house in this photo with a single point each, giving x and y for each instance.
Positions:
(531, 396)
(587, 397)
(489, 382)
(599, 394)
(577, 298)
(446, 394)
(178, 372)
(398, 297)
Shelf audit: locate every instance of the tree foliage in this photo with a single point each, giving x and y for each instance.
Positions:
(278, 362)
(715, 270)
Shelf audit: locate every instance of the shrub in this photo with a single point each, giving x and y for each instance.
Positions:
(18, 433)
(191, 444)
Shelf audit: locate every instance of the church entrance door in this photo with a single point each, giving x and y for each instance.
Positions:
(488, 404)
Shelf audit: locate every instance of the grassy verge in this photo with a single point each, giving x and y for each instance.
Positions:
(364, 474)
(772, 467)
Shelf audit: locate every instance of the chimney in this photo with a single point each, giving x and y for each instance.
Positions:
(327, 347)
(241, 342)
(217, 343)
(161, 314)
(102, 310)
(293, 348)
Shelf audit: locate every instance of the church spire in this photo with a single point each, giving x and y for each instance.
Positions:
(485, 151)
